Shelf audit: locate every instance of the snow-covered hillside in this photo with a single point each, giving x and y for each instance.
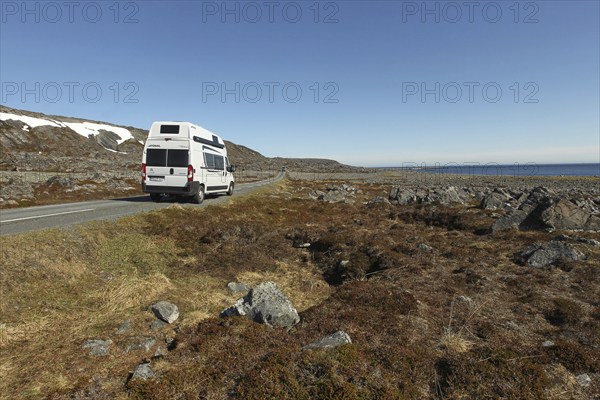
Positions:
(85, 129)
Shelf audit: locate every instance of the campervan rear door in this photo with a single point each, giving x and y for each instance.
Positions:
(167, 162)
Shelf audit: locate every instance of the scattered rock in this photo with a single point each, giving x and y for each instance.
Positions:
(98, 347)
(142, 372)
(548, 343)
(125, 327)
(334, 340)
(466, 299)
(493, 201)
(301, 245)
(560, 214)
(511, 220)
(424, 247)
(378, 200)
(563, 238)
(166, 311)
(237, 287)
(591, 242)
(145, 345)
(544, 210)
(584, 380)
(443, 195)
(265, 304)
(158, 324)
(60, 181)
(160, 352)
(545, 255)
(316, 195)
(334, 194)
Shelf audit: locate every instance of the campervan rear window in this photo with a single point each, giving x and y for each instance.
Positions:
(156, 157)
(177, 158)
(169, 129)
(166, 158)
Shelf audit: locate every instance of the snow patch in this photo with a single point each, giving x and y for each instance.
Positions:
(26, 128)
(31, 121)
(115, 151)
(86, 129)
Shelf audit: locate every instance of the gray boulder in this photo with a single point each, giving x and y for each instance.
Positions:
(60, 181)
(378, 200)
(548, 254)
(445, 196)
(335, 196)
(402, 196)
(237, 287)
(98, 347)
(146, 344)
(334, 340)
(124, 327)
(583, 380)
(142, 372)
(588, 241)
(551, 214)
(544, 210)
(316, 195)
(166, 311)
(493, 201)
(158, 324)
(265, 304)
(424, 247)
(511, 220)
(537, 196)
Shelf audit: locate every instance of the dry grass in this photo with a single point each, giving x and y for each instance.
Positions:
(412, 335)
(454, 342)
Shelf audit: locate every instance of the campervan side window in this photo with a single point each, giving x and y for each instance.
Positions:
(214, 161)
(156, 157)
(177, 158)
(169, 129)
(219, 163)
(210, 160)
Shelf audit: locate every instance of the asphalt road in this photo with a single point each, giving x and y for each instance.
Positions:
(19, 220)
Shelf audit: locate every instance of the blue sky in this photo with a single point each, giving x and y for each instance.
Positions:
(362, 68)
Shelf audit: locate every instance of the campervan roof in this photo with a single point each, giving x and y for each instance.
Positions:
(184, 130)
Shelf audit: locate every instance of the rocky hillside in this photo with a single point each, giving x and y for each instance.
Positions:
(34, 141)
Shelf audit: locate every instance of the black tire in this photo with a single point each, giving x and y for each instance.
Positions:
(198, 198)
(230, 190)
(155, 197)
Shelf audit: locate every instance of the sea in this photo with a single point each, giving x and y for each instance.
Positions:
(528, 169)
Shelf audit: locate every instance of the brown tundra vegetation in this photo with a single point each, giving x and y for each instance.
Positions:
(437, 307)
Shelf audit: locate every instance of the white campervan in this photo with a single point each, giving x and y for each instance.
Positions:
(186, 160)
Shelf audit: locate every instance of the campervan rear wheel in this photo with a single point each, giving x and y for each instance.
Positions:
(198, 198)
(230, 191)
(155, 197)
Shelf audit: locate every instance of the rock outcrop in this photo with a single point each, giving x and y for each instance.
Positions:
(334, 340)
(548, 254)
(265, 304)
(166, 311)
